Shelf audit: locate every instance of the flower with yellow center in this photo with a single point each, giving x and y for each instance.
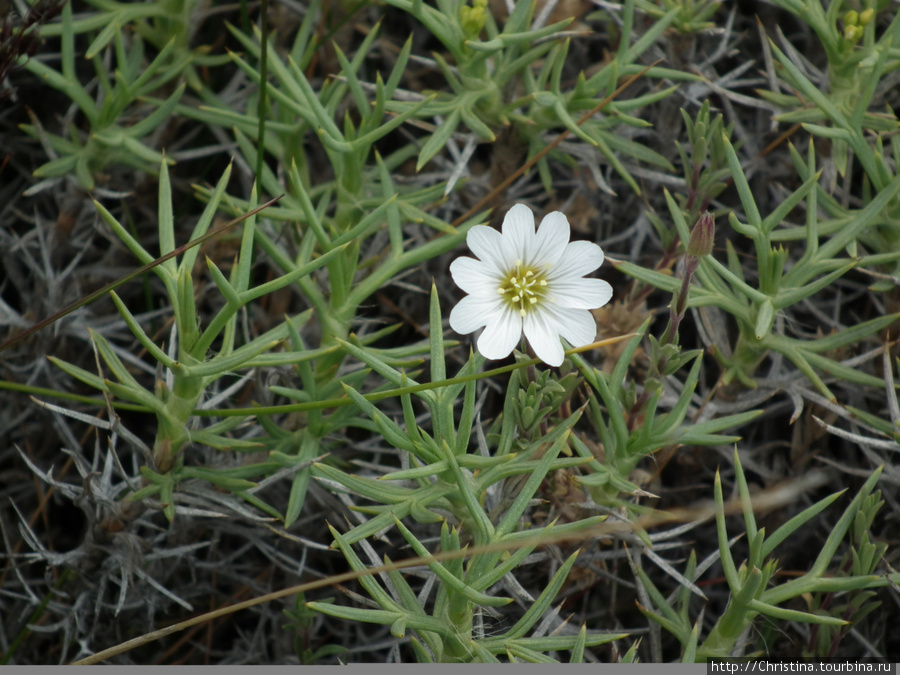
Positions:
(531, 282)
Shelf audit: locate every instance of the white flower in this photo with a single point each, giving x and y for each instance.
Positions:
(528, 281)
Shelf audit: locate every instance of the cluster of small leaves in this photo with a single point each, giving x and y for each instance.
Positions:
(543, 396)
(861, 559)
(852, 116)
(756, 309)
(108, 142)
(751, 593)
(704, 163)
(189, 370)
(629, 431)
(156, 23)
(487, 69)
(364, 198)
(444, 480)
(693, 16)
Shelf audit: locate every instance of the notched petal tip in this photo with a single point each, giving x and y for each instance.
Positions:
(518, 233)
(519, 216)
(551, 240)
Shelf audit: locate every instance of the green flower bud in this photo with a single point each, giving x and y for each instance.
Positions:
(853, 33)
(865, 18)
(703, 236)
(473, 18)
(851, 18)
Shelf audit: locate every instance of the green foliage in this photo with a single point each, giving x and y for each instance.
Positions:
(444, 477)
(190, 371)
(624, 446)
(168, 25)
(751, 595)
(485, 70)
(851, 115)
(348, 154)
(755, 308)
(302, 620)
(108, 141)
(692, 16)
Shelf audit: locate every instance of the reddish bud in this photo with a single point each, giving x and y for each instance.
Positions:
(703, 236)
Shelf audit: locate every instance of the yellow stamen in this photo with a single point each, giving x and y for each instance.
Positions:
(524, 287)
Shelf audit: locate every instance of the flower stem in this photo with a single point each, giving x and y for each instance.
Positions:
(699, 245)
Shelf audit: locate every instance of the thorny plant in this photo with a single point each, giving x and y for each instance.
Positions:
(376, 169)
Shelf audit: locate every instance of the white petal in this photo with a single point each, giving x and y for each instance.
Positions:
(579, 258)
(518, 231)
(577, 326)
(473, 312)
(542, 332)
(551, 240)
(580, 293)
(488, 244)
(501, 335)
(475, 277)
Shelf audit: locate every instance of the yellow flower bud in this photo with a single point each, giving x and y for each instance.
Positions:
(853, 33)
(473, 18)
